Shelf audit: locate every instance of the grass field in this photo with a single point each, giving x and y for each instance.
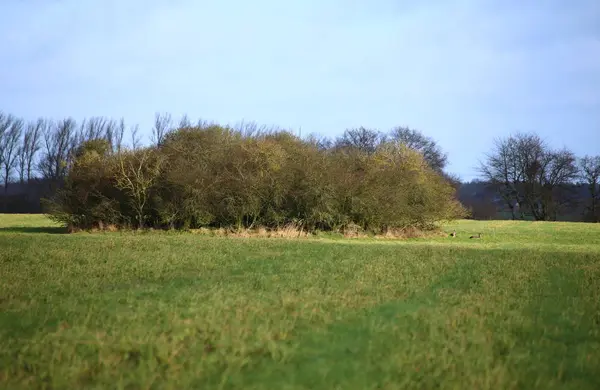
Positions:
(518, 309)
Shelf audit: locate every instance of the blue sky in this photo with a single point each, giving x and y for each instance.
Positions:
(462, 72)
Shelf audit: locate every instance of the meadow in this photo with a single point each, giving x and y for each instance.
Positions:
(517, 309)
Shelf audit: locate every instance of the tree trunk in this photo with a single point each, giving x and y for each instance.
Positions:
(5, 203)
(512, 210)
(140, 218)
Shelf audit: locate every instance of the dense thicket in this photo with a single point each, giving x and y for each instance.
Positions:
(214, 176)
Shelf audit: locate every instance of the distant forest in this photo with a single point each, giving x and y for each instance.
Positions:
(98, 172)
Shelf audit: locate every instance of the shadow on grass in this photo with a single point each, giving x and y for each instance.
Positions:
(34, 229)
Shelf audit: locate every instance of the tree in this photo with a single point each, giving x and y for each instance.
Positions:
(118, 136)
(529, 175)
(29, 148)
(184, 122)
(135, 138)
(102, 128)
(361, 139)
(59, 139)
(163, 124)
(415, 140)
(501, 171)
(590, 173)
(137, 173)
(94, 128)
(10, 130)
(5, 123)
(87, 198)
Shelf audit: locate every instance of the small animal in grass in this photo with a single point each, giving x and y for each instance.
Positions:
(477, 236)
(453, 234)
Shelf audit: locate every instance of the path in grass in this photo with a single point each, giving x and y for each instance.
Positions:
(518, 309)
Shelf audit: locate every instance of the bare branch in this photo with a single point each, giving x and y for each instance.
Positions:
(138, 171)
(184, 122)
(163, 124)
(118, 136)
(30, 145)
(11, 129)
(135, 138)
(60, 139)
(361, 139)
(417, 141)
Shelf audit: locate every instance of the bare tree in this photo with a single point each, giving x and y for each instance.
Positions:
(91, 129)
(11, 129)
(501, 170)
(362, 139)
(29, 148)
(135, 138)
(110, 129)
(163, 124)
(184, 122)
(5, 122)
(553, 184)
(59, 139)
(321, 142)
(118, 136)
(202, 124)
(527, 173)
(137, 173)
(415, 140)
(102, 128)
(590, 173)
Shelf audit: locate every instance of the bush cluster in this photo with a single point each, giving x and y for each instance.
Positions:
(215, 176)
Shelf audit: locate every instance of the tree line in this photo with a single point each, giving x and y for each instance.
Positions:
(205, 174)
(210, 175)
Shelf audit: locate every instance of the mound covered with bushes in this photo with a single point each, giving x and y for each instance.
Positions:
(215, 176)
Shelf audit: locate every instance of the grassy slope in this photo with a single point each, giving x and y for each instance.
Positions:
(518, 309)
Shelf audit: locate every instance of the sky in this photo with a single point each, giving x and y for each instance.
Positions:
(462, 72)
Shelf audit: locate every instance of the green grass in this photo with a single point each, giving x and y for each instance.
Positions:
(518, 309)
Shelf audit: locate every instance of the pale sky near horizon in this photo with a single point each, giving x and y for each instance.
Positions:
(462, 72)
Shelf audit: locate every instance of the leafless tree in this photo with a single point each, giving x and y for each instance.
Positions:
(414, 139)
(163, 124)
(5, 122)
(11, 129)
(102, 128)
(184, 122)
(110, 131)
(362, 139)
(30, 145)
(137, 173)
(135, 138)
(501, 170)
(59, 139)
(590, 173)
(118, 136)
(91, 129)
(527, 173)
